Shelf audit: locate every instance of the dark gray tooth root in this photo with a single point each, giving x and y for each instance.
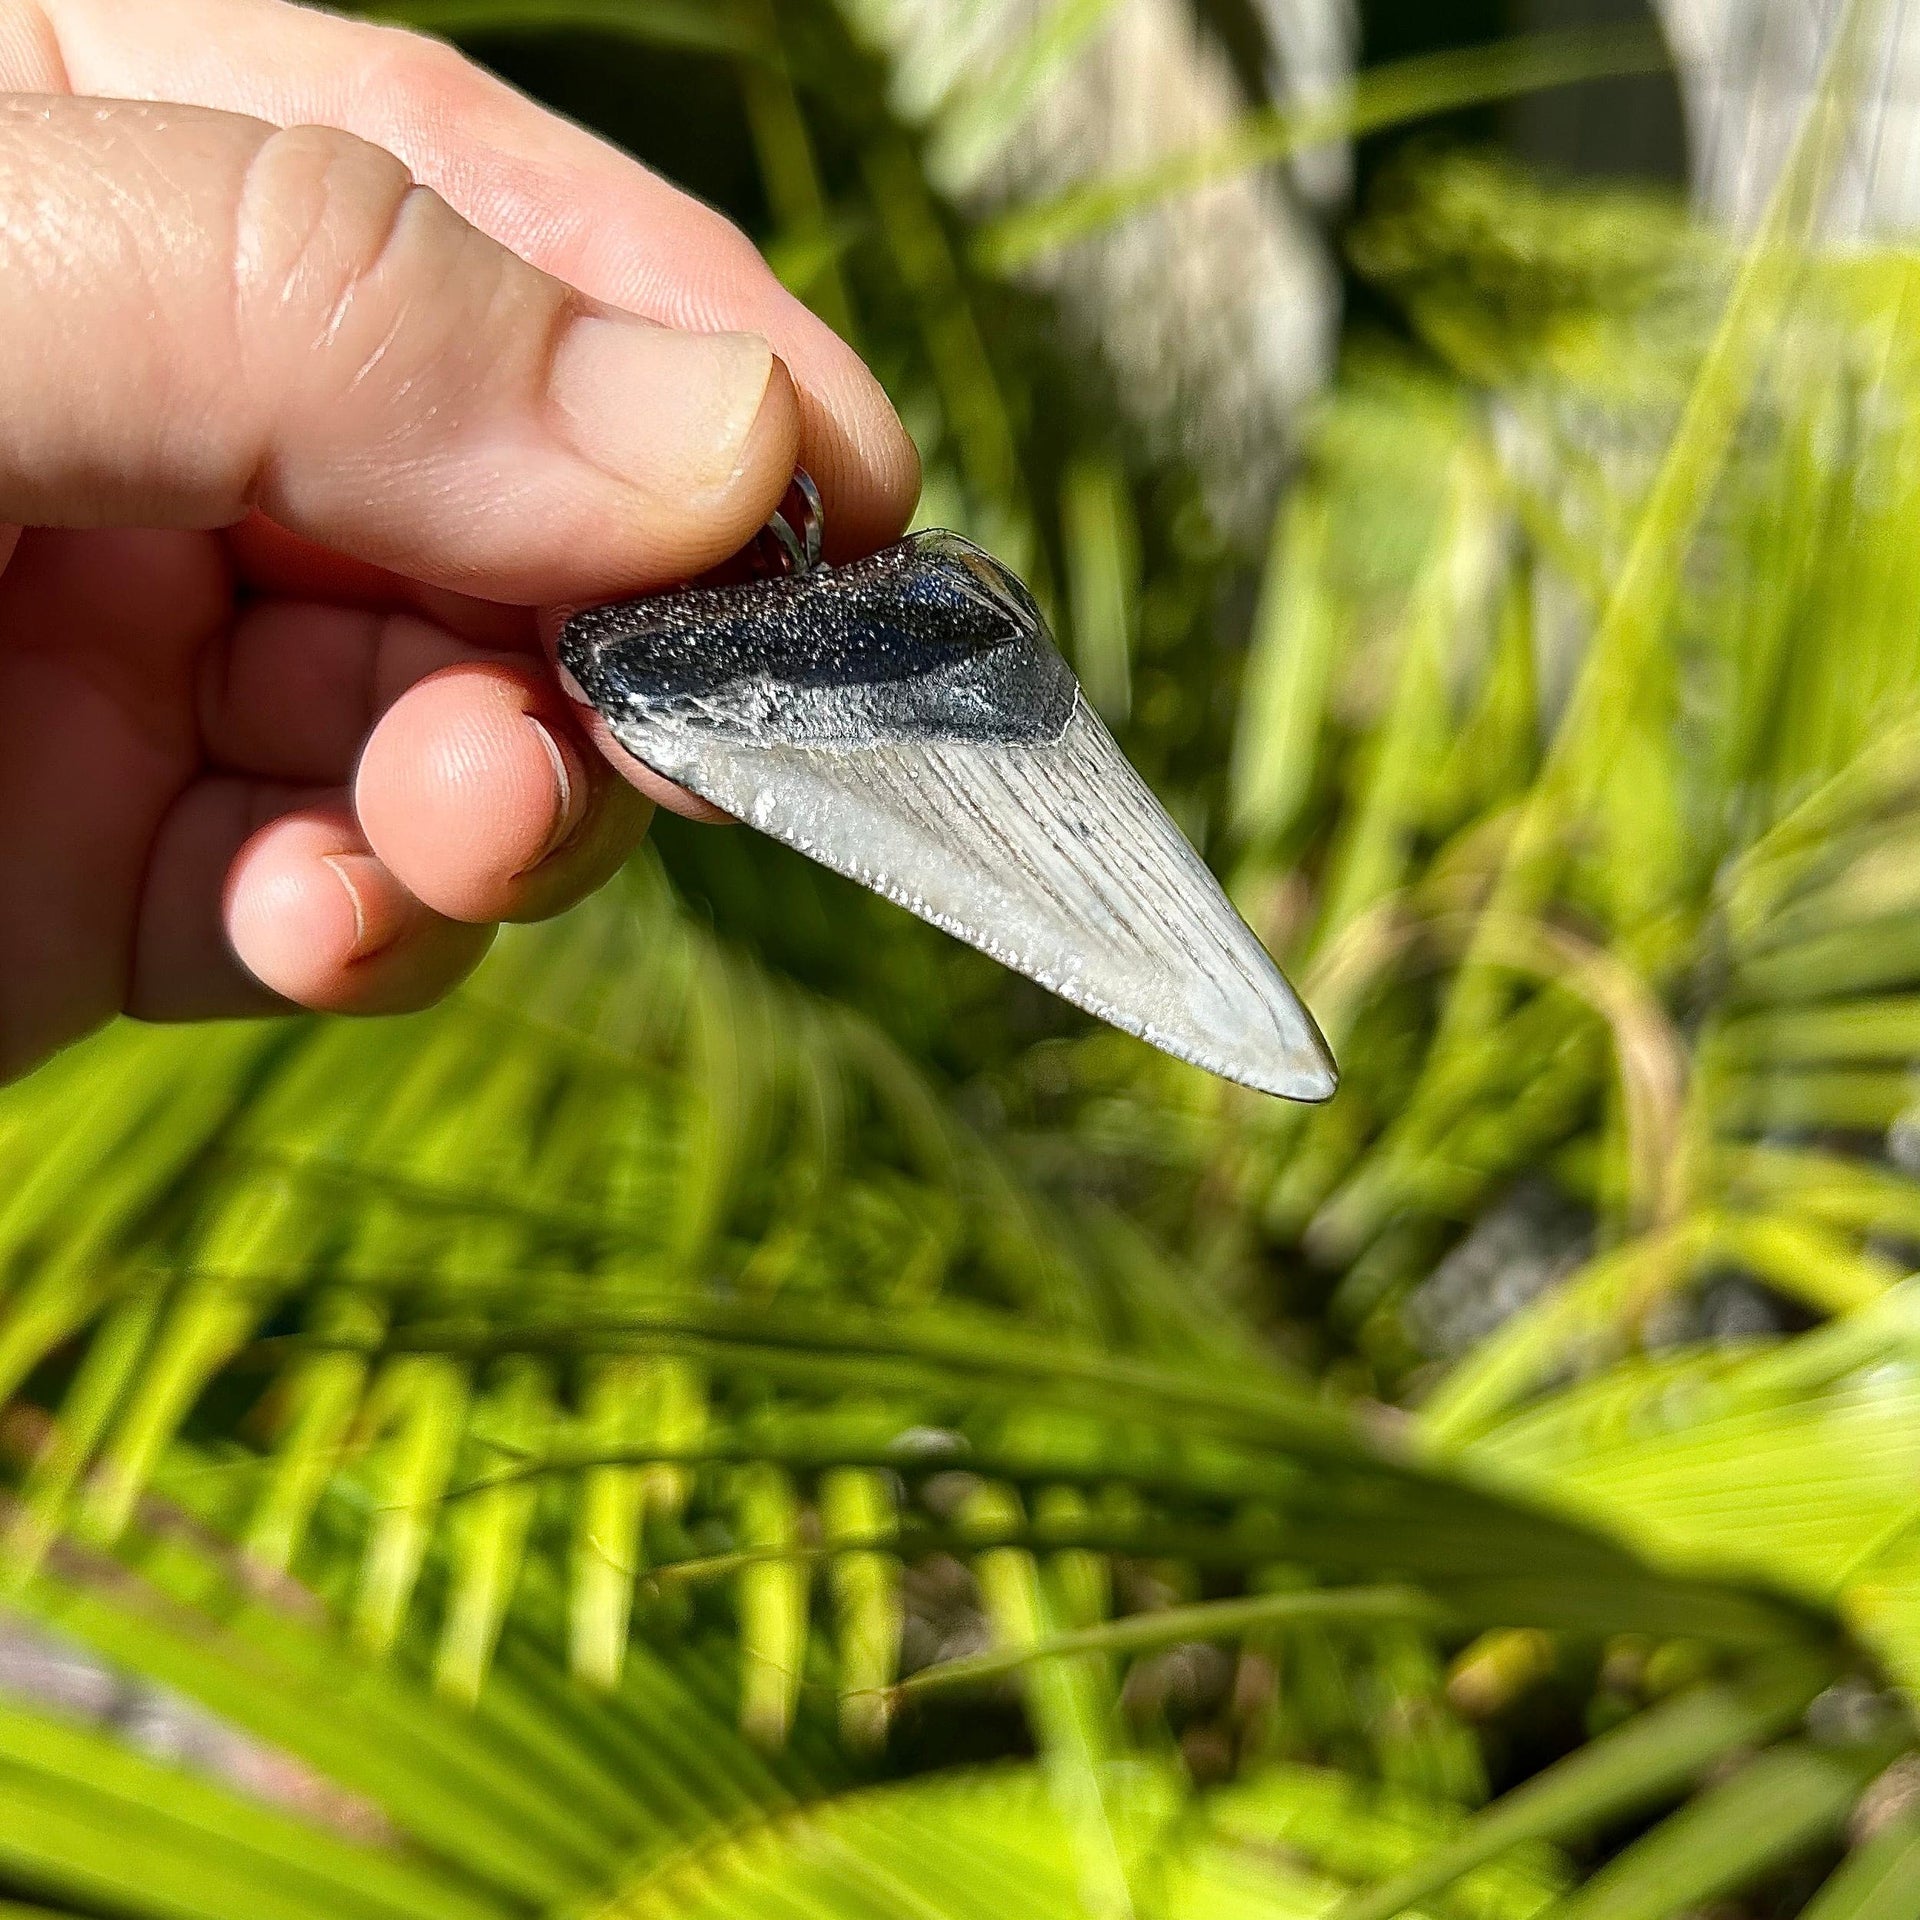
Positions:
(907, 722)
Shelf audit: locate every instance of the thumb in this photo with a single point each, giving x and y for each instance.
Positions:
(205, 314)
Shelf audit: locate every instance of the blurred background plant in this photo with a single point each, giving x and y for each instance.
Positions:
(752, 1410)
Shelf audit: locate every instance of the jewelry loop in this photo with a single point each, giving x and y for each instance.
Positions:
(784, 546)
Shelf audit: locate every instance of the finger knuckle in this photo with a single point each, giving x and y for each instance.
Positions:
(351, 273)
(317, 211)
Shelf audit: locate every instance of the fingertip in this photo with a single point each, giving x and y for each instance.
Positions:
(460, 788)
(478, 793)
(319, 920)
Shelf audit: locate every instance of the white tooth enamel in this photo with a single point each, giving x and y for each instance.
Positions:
(1055, 859)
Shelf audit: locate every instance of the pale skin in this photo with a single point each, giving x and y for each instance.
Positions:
(333, 368)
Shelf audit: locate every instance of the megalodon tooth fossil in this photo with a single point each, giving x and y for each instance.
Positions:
(907, 721)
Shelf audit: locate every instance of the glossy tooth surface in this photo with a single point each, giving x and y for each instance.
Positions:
(906, 722)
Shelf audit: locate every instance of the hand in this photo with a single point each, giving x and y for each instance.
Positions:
(318, 381)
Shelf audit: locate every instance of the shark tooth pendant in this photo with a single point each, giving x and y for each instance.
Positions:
(906, 720)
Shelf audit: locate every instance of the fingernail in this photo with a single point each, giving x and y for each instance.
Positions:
(656, 406)
(570, 803)
(368, 887)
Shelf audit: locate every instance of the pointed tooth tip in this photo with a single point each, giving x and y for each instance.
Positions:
(1311, 1081)
(1300, 1067)
(1258, 1033)
(1313, 1075)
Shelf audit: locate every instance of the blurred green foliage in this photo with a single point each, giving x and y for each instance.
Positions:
(750, 1409)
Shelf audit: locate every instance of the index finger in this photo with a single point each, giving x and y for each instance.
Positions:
(565, 201)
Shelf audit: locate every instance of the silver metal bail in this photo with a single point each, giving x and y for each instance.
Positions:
(790, 542)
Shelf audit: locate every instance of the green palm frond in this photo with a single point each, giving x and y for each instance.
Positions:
(687, 1474)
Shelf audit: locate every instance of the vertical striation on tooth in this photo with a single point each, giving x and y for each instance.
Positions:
(905, 722)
